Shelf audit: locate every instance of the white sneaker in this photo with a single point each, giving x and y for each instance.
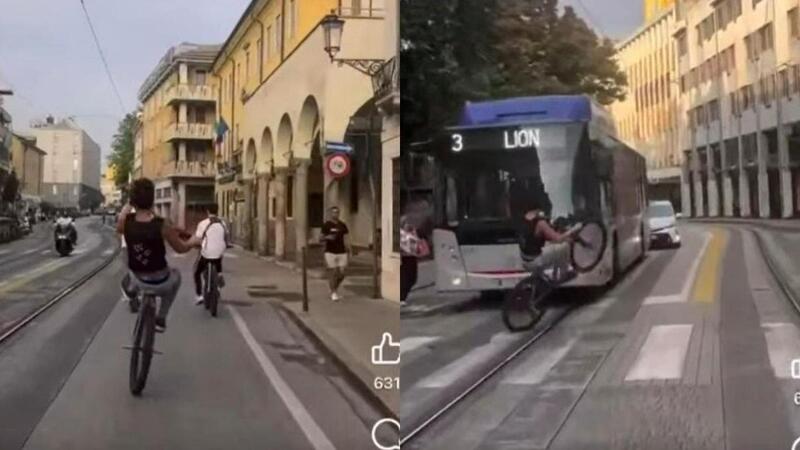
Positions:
(334, 296)
(198, 300)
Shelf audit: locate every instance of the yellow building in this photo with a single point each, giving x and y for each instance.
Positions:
(654, 8)
(648, 117)
(108, 187)
(174, 143)
(27, 160)
(283, 99)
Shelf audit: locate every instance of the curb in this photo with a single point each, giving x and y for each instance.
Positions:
(353, 378)
(784, 225)
(777, 274)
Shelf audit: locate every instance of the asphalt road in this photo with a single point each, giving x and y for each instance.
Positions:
(691, 351)
(248, 379)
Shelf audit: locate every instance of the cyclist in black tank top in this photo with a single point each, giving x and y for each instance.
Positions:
(145, 234)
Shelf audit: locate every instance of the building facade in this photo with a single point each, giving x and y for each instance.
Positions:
(654, 8)
(174, 144)
(739, 67)
(283, 100)
(27, 160)
(648, 117)
(388, 103)
(71, 165)
(5, 142)
(112, 197)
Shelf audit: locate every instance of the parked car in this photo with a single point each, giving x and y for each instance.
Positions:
(24, 225)
(663, 224)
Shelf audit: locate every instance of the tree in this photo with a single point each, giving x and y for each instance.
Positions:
(122, 149)
(453, 51)
(11, 188)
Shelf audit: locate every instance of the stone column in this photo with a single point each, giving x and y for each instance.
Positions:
(301, 207)
(280, 214)
(727, 183)
(785, 173)
(183, 73)
(699, 206)
(246, 215)
(262, 211)
(686, 188)
(763, 181)
(182, 151)
(180, 205)
(713, 187)
(183, 113)
(744, 180)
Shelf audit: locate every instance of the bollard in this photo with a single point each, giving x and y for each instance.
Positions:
(305, 279)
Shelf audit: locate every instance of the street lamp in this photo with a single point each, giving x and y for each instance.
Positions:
(333, 26)
(376, 69)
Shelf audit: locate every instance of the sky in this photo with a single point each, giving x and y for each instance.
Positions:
(49, 59)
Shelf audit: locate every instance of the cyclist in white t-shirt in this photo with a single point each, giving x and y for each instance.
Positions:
(214, 235)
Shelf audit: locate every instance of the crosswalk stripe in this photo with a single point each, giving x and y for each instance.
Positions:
(536, 367)
(410, 344)
(461, 366)
(663, 354)
(783, 342)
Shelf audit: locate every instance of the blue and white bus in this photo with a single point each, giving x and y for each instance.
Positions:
(561, 151)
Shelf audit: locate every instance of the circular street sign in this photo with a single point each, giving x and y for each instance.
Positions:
(338, 165)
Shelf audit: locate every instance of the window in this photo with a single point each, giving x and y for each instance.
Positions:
(794, 27)
(784, 83)
(270, 44)
(292, 18)
(796, 77)
(736, 8)
(260, 50)
(750, 44)
(246, 67)
(755, 2)
(698, 30)
(713, 110)
(397, 176)
(683, 84)
(200, 77)
(278, 35)
(682, 45)
(767, 38)
(722, 15)
(734, 101)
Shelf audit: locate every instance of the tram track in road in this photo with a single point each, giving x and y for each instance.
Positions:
(9, 330)
(486, 377)
(776, 273)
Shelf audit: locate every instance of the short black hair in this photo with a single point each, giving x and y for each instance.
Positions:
(142, 193)
(213, 208)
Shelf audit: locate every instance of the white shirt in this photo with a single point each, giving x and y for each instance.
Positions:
(214, 242)
(64, 221)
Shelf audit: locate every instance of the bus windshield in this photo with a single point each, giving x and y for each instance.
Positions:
(497, 185)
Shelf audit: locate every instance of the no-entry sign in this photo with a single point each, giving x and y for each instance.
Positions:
(338, 165)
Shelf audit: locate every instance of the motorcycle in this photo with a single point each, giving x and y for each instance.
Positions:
(64, 242)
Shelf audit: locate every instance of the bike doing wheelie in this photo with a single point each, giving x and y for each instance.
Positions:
(554, 258)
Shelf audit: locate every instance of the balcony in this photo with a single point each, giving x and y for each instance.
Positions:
(229, 172)
(196, 131)
(189, 93)
(189, 169)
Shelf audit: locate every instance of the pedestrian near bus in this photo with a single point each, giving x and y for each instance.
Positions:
(336, 250)
(412, 247)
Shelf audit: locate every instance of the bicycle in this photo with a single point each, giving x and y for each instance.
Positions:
(143, 341)
(211, 283)
(524, 300)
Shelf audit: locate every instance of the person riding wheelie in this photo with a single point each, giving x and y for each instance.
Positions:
(545, 248)
(144, 234)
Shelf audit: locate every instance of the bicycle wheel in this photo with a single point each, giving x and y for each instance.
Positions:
(213, 290)
(520, 311)
(142, 351)
(587, 250)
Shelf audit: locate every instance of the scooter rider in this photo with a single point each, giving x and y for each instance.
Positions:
(64, 223)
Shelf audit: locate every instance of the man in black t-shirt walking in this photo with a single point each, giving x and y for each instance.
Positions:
(333, 233)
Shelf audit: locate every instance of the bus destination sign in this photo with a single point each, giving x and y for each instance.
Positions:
(511, 138)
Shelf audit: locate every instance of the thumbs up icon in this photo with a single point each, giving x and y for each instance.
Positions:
(387, 352)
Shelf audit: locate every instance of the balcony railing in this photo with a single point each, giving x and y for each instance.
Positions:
(189, 169)
(190, 92)
(189, 131)
(361, 8)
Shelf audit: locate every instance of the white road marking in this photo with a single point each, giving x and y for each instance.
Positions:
(783, 345)
(28, 252)
(44, 252)
(410, 344)
(535, 368)
(3, 252)
(231, 255)
(312, 431)
(458, 368)
(688, 282)
(663, 353)
(108, 252)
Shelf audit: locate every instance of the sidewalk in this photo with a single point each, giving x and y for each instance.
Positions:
(346, 330)
(789, 225)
